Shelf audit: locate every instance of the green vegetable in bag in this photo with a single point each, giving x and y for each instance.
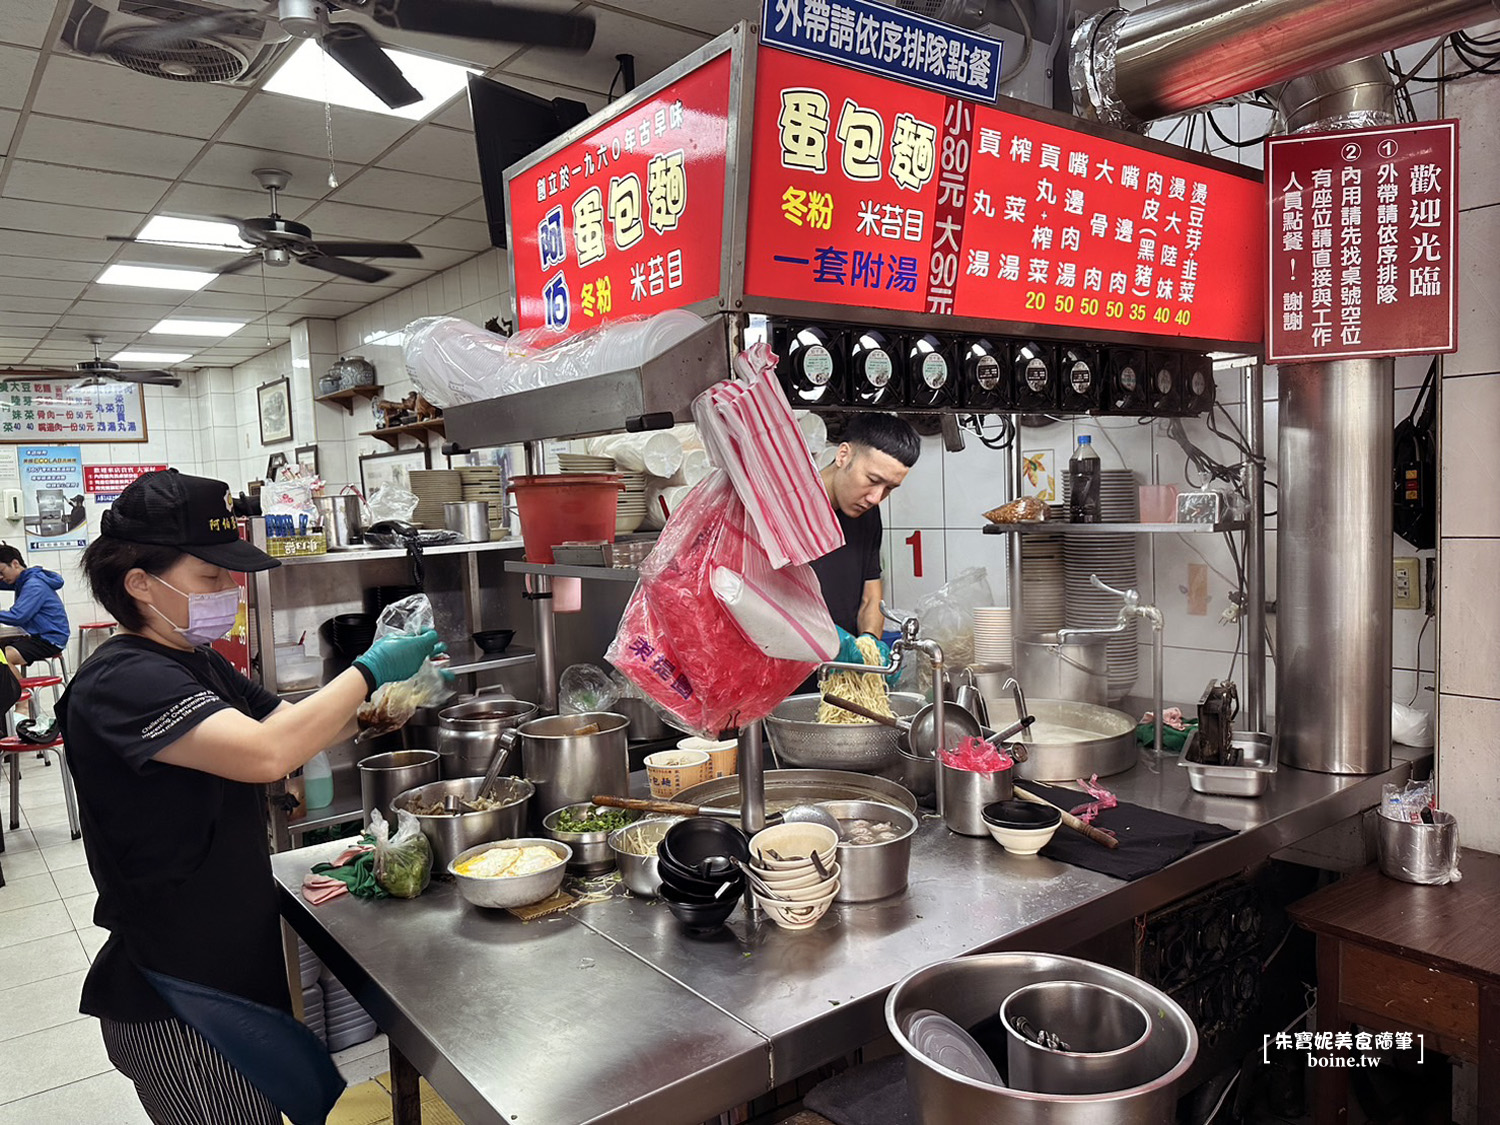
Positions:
(403, 863)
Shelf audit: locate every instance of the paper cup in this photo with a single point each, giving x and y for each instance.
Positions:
(723, 757)
(669, 772)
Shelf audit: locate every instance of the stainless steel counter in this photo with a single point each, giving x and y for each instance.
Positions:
(611, 1013)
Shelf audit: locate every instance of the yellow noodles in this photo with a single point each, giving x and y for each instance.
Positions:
(865, 688)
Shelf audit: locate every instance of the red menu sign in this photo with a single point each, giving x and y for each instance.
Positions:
(867, 193)
(111, 480)
(1363, 242)
(629, 219)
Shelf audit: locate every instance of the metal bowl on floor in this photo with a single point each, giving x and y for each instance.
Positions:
(798, 739)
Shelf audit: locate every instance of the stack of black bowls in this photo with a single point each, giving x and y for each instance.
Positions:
(347, 635)
(700, 881)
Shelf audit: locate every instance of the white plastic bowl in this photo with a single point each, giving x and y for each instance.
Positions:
(795, 842)
(1022, 841)
(799, 915)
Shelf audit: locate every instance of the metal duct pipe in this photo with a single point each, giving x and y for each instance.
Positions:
(1333, 566)
(1178, 55)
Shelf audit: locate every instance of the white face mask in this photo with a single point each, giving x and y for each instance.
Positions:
(210, 616)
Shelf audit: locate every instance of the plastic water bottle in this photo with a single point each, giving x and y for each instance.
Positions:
(317, 777)
(1083, 482)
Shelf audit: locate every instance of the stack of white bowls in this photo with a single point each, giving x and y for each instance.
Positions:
(1043, 601)
(992, 634)
(788, 885)
(484, 482)
(347, 1023)
(434, 488)
(1113, 559)
(585, 463)
(630, 513)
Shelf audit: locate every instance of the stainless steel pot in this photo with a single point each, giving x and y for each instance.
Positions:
(1076, 669)
(470, 518)
(384, 777)
(469, 733)
(873, 871)
(645, 724)
(1105, 1032)
(969, 990)
(965, 793)
(342, 523)
(569, 768)
(450, 835)
(1071, 740)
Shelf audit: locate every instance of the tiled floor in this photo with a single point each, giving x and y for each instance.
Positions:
(52, 1061)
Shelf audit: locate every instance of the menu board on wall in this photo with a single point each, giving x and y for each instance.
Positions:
(1363, 243)
(628, 219)
(868, 193)
(65, 410)
(52, 491)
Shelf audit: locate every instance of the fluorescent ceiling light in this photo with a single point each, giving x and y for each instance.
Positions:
(155, 277)
(199, 234)
(309, 73)
(130, 356)
(174, 327)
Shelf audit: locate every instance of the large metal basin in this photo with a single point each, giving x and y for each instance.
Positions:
(799, 740)
(785, 788)
(1105, 744)
(969, 990)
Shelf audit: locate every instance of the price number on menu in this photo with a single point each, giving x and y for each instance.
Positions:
(1067, 303)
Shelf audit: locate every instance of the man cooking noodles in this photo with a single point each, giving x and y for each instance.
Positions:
(877, 452)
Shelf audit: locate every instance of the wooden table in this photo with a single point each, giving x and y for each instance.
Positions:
(1395, 956)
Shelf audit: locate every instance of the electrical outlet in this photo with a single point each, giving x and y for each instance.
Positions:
(1407, 579)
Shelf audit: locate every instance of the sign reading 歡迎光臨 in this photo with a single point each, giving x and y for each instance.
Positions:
(628, 219)
(1363, 243)
(868, 194)
(887, 41)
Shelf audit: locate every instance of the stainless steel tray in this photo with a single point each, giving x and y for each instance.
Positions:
(1251, 778)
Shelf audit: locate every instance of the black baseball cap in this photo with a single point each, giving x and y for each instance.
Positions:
(193, 514)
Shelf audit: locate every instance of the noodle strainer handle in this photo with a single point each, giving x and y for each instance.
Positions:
(860, 709)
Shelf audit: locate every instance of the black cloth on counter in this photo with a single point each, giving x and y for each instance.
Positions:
(1149, 840)
(872, 1093)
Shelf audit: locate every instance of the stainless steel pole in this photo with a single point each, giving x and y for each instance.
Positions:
(1013, 555)
(540, 587)
(752, 780)
(1255, 548)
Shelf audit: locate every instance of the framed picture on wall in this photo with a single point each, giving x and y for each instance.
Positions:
(275, 402)
(376, 470)
(307, 460)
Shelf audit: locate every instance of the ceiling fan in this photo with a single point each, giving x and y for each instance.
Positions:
(92, 372)
(279, 242)
(353, 47)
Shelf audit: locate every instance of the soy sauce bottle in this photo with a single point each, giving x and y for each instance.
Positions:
(811, 367)
(876, 362)
(1083, 482)
(986, 376)
(1035, 376)
(1080, 379)
(931, 371)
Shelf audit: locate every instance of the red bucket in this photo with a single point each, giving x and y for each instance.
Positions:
(557, 508)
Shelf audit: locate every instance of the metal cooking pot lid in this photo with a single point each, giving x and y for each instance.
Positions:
(938, 1038)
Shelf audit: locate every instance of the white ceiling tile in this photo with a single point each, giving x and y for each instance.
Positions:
(53, 305)
(26, 22)
(29, 244)
(58, 140)
(344, 221)
(436, 151)
(229, 165)
(362, 293)
(654, 46)
(441, 257)
(115, 328)
(160, 254)
(456, 234)
(26, 320)
(37, 287)
(382, 187)
(99, 91)
(206, 201)
(278, 123)
(308, 307)
(279, 282)
(246, 302)
(131, 295)
(11, 266)
(127, 310)
(87, 222)
(51, 183)
(16, 67)
(8, 119)
(473, 211)
(456, 116)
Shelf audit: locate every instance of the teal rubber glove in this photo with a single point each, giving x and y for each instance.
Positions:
(849, 650)
(397, 657)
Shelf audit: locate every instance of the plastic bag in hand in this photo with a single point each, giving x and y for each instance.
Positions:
(678, 643)
(585, 687)
(403, 862)
(393, 705)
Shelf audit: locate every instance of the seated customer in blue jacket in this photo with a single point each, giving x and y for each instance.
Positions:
(37, 609)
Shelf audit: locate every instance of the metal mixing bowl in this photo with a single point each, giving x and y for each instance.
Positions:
(798, 739)
(639, 872)
(592, 854)
(450, 835)
(522, 890)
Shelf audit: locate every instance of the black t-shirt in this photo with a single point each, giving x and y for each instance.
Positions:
(180, 857)
(843, 573)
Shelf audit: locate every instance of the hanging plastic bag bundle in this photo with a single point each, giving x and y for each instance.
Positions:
(393, 705)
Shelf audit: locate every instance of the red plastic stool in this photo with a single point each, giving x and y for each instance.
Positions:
(92, 635)
(13, 748)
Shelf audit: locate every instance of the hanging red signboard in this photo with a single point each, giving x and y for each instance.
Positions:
(1362, 243)
(628, 219)
(867, 193)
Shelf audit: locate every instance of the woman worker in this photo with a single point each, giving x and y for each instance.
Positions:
(169, 746)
